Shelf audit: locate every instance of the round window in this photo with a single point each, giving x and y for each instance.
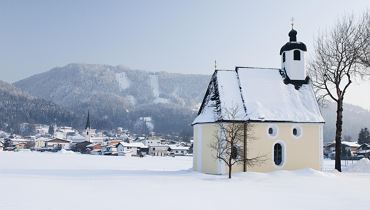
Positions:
(272, 130)
(297, 131)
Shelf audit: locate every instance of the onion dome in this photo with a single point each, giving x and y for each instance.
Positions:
(293, 44)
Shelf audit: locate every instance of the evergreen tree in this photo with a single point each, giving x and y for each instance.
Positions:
(364, 136)
(51, 130)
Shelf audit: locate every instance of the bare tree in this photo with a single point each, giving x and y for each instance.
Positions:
(339, 59)
(365, 56)
(231, 141)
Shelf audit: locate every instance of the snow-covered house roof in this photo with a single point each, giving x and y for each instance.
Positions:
(364, 145)
(76, 138)
(178, 147)
(258, 94)
(134, 144)
(57, 140)
(351, 143)
(344, 143)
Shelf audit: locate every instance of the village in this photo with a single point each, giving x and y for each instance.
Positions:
(121, 143)
(118, 142)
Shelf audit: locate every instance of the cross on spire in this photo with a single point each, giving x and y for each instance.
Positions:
(292, 22)
(215, 64)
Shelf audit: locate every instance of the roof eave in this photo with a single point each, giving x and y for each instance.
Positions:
(258, 121)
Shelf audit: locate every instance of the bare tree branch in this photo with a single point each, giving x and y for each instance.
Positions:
(229, 146)
(341, 56)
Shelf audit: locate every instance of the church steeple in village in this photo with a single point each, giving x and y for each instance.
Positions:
(88, 127)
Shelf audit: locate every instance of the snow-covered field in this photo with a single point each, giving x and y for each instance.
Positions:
(37, 181)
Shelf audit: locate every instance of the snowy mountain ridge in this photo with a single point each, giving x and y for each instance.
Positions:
(81, 81)
(118, 96)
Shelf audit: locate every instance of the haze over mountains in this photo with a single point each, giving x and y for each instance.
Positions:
(118, 96)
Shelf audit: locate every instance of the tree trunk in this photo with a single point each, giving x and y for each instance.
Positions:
(245, 148)
(338, 135)
(230, 167)
(229, 172)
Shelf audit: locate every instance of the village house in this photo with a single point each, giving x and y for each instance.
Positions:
(158, 150)
(19, 143)
(57, 143)
(349, 149)
(110, 147)
(80, 147)
(178, 150)
(40, 143)
(133, 149)
(76, 138)
(363, 150)
(20, 146)
(353, 146)
(153, 141)
(95, 148)
(156, 146)
(41, 129)
(279, 104)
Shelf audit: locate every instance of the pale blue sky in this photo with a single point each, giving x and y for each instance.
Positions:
(174, 36)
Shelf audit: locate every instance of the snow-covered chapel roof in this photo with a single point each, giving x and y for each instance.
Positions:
(257, 94)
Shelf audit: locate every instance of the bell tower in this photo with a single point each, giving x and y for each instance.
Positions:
(292, 58)
(88, 128)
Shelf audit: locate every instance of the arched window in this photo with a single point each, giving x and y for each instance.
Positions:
(297, 55)
(278, 154)
(283, 57)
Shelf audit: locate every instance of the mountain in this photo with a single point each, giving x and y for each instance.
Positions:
(354, 118)
(17, 107)
(118, 96)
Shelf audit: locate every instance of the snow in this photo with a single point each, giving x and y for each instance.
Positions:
(134, 144)
(3, 134)
(154, 84)
(351, 143)
(122, 80)
(40, 181)
(228, 87)
(63, 151)
(76, 138)
(363, 151)
(177, 147)
(268, 98)
(361, 166)
(265, 96)
(208, 113)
